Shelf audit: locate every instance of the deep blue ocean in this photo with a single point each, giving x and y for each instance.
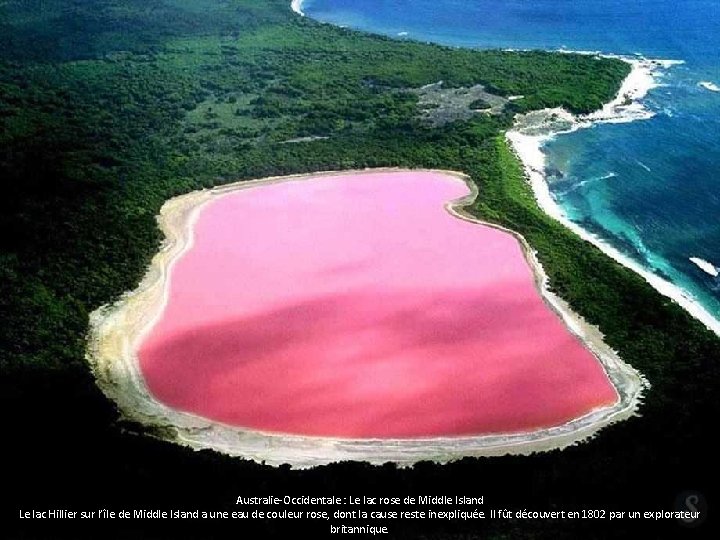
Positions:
(651, 188)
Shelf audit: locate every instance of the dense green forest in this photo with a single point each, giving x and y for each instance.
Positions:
(110, 107)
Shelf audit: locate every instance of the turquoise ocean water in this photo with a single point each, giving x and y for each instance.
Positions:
(650, 188)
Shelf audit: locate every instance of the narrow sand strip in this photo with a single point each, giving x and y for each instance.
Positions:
(533, 130)
(116, 332)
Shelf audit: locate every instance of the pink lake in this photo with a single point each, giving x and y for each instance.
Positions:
(357, 306)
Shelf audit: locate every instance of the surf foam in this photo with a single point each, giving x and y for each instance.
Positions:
(706, 266)
(707, 85)
(296, 6)
(626, 107)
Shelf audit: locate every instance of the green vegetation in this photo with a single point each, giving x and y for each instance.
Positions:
(109, 107)
(480, 104)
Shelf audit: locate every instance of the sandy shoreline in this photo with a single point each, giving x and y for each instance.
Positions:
(626, 107)
(532, 131)
(296, 6)
(117, 330)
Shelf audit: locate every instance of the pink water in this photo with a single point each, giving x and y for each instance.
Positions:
(357, 306)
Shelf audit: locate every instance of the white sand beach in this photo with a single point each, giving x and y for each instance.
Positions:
(527, 141)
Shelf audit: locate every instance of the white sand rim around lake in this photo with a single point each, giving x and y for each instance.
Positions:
(117, 330)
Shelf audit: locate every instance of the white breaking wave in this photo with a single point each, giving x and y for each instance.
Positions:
(402, 34)
(707, 85)
(626, 107)
(706, 266)
(583, 183)
(296, 6)
(648, 169)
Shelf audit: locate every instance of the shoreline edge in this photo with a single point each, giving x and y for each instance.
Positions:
(531, 131)
(117, 330)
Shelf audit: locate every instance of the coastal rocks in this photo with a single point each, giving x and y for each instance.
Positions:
(544, 122)
(440, 106)
(532, 131)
